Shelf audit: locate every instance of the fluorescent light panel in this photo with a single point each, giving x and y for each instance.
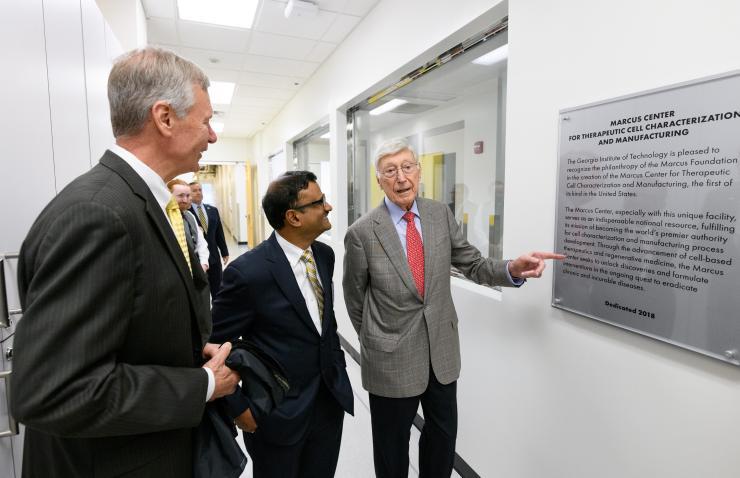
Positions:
(386, 107)
(221, 92)
(325, 135)
(217, 127)
(228, 13)
(493, 57)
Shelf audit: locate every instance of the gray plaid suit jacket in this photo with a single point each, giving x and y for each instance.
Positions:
(399, 330)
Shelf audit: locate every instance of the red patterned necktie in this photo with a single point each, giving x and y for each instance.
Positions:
(415, 252)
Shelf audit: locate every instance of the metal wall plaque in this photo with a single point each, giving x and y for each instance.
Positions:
(647, 211)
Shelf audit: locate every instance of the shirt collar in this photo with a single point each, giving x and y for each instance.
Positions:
(292, 252)
(396, 212)
(155, 183)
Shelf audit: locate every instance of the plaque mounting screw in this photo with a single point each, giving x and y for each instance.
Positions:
(731, 354)
(566, 118)
(557, 300)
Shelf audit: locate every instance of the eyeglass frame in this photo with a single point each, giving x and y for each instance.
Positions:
(321, 201)
(410, 166)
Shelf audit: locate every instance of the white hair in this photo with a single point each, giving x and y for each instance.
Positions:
(391, 147)
(142, 77)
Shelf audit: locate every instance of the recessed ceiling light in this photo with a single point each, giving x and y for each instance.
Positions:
(386, 107)
(221, 92)
(217, 127)
(229, 13)
(493, 57)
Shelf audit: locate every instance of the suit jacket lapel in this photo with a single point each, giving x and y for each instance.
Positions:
(388, 238)
(285, 279)
(162, 225)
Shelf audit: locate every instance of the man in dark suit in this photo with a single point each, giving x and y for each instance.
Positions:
(279, 296)
(397, 290)
(107, 371)
(209, 219)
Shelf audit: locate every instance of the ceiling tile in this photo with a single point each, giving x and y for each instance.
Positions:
(280, 46)
(336, 6)
(261, 103)
(262, 92)
(279, 66)
(271, 19)
(321, 52)
(218, 74)
(275, 81)
(160, 8)
(160, 30)
(205, 58)
(358, 8)
(210, 37)
(341, 28)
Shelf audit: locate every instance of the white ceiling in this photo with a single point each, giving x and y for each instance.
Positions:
(269, 62)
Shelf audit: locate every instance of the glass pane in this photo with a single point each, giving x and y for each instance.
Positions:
(454, 118)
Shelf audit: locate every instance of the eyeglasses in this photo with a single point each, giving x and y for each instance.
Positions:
(319, 202)
(407, 168)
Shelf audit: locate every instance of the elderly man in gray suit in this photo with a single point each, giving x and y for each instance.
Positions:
(397, 290)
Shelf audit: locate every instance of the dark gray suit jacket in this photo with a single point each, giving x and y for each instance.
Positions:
(105, 374)
(400, 332)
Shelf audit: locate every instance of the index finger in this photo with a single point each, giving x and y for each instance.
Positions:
(548, 255)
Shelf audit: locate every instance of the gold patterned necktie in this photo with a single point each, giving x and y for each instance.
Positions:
(175, 217)
(314, 280)
(202, 218)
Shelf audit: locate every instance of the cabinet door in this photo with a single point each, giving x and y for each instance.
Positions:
(27, 161)
(97, 68)
(65, 58)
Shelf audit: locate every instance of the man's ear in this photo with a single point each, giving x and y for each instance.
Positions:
(163, 116)
(292, 218)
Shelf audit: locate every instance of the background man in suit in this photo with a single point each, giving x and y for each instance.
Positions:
(397, 291)
(181, 192)
(210, 221)
(279, 296)
(107, 374)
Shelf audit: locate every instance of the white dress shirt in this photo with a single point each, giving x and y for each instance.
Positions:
(162, 195)
(293, 253)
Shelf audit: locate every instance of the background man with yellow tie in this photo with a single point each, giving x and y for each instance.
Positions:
(107, 372)
(279, 296)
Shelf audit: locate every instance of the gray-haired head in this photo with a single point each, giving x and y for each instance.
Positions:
(142, 77)
(391, 147)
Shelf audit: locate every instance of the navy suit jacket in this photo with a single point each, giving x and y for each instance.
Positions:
(214, 236)
(261, 302)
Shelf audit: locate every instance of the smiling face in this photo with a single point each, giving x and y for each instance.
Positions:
(401, 188)
(192, 133)
(181, 193)
(315, 216)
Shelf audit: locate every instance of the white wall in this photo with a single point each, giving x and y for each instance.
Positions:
(127, 20)
(569, 397)
(544, 393)
(56, 55)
